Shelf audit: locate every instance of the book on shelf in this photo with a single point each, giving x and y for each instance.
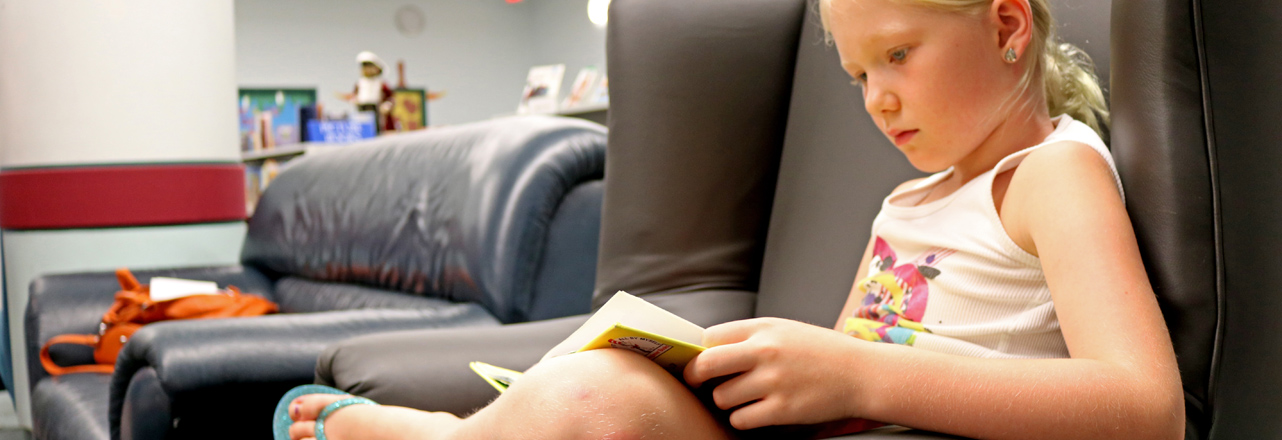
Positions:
(580, 88)
(542, 86)
(624, 322)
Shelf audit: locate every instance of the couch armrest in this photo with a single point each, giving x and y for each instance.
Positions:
(74, 304)
(207, 357)
(427, 369)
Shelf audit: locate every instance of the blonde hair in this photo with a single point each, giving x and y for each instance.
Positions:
(1066, 72)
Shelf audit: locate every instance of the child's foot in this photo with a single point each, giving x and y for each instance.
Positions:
(367, 421)
(304, 411)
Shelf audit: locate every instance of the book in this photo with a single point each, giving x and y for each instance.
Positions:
(580, 89)
(542, 86)
(624, 322)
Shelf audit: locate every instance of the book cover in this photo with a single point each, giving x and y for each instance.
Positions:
(498, 377)
(541, 89)
(624, 322)
(580, 88)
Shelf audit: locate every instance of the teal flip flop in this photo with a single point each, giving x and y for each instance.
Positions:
(281, 420)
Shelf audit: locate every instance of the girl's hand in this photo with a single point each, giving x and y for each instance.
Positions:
(788, 372)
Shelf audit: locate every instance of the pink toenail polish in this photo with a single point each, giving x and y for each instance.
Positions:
(296, 407)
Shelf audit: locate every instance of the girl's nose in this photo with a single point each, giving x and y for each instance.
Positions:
(878, 99)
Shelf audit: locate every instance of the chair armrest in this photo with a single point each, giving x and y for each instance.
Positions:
(428, 369)
(202, 357)
(74, 304)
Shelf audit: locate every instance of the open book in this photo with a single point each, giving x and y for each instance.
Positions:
(625, 322)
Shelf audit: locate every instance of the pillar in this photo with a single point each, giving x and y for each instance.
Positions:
(118, 144)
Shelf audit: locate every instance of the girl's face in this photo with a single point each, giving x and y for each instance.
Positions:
(931, 79)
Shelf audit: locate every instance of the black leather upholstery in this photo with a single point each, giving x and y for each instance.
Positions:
(72, 407)
(1197, 98)
(457, 226)
(457, 213)
(719, 125)
(209, 370)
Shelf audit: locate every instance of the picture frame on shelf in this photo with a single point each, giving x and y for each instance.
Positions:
(409, 109)
(272, 116)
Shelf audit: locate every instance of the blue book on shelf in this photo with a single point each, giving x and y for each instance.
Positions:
(339, 132)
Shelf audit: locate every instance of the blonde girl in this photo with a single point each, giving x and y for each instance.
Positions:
(1001, 297)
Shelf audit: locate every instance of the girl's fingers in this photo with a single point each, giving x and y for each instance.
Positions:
(741, 389)
(302, 430)
(719, 361)
(729, 333)
(755, 415)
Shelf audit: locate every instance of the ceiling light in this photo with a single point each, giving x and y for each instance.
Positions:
(598, 11)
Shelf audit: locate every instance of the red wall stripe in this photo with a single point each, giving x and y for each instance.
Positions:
(126, 195)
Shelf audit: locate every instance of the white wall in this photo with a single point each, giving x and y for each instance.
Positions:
(477, 51)
(116, 82)
(563, 35)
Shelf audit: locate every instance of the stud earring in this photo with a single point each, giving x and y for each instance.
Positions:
(1010, 56)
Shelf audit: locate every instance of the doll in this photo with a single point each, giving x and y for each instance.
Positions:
(372, 93)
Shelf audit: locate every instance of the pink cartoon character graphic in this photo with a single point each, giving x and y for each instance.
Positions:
(896, 296)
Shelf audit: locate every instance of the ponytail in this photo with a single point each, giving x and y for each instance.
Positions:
(1071, 86)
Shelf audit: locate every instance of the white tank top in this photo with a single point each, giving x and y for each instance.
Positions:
(946, 277)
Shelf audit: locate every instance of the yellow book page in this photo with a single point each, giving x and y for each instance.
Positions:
(498, 377)
(671, 354)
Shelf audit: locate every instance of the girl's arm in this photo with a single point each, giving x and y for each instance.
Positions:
(1121, 382)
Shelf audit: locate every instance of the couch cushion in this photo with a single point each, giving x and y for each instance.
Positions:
(299, 295)
(70, 407)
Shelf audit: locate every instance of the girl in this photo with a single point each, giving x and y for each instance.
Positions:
(1002, 297)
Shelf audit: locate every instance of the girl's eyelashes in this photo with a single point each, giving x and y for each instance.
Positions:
(899, 55)
(860, 79)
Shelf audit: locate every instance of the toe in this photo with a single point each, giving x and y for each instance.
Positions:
(302, 430)
(307, 408)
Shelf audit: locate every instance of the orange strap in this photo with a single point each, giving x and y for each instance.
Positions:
(58, 370)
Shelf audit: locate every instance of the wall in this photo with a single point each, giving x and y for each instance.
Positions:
(563, 35)
(477, 51)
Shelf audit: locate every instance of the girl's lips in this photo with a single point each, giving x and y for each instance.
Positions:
(903, 137)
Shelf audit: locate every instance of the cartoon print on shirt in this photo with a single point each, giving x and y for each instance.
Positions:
(895, 296)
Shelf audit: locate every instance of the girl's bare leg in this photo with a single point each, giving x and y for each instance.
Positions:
(600, 394)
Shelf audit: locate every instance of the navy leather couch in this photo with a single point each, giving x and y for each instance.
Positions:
(467, 226)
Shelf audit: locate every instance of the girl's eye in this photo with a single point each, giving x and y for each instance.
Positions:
(899, 55)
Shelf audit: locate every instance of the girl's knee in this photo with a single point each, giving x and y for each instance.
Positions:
(613, 390)
(601, 378)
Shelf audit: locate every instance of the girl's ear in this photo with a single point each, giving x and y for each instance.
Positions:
(1013, 22)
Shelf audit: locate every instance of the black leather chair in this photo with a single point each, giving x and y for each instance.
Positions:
(473, 225)
(1196, 100)
(743, 176)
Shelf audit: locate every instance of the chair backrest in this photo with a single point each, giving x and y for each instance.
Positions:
(469, 213)
(698, 103)
(1197, 94)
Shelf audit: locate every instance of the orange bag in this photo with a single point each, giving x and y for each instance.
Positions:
(134, 308)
